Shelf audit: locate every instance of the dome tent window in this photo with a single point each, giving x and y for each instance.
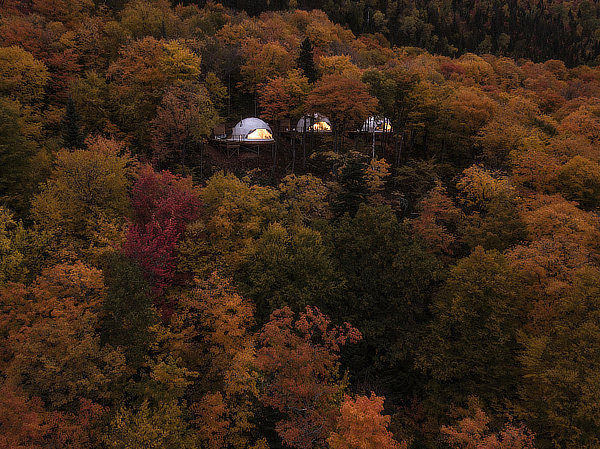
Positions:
(260, 134)
(315, 123)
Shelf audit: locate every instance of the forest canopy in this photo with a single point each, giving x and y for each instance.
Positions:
(536, 30)
(419, 270)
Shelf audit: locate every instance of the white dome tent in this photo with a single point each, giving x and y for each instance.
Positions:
(320, 124)
(377, 125)
(252, 130)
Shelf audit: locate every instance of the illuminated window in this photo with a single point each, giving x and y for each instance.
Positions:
(260, 134)
(321, 126)
(385, 125)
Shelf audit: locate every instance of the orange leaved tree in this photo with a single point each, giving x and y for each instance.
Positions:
(361, 425)
(299, 361)
(345, 101)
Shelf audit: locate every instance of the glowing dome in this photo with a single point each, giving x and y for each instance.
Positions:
(377, 125)
(252, 129)
(320, 124)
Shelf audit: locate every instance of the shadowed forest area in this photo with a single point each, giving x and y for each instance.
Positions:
(536, 30)
(420, 270)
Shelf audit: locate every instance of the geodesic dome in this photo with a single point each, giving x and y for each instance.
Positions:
(377, 125)
(316, 123)
(252, 129)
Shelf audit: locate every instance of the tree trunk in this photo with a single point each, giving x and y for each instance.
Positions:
(275, 145)
(304, 146)
(293, 152)
(399, 148)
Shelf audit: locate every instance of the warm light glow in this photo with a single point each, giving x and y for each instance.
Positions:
(260, 134)
(384, 125)
(321, 126)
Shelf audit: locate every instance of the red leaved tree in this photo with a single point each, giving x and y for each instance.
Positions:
(163, 204)
(21, 420)
(299, 362)
(27, 424)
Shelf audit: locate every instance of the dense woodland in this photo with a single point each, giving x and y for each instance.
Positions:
(436, 287)
(532, 29)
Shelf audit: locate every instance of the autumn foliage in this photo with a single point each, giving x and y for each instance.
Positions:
(473, 433)
(162, 205)
(362, 425)
(429, 282)
(299, 359)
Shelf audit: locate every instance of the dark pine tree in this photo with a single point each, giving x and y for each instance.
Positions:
(353, 188)
(72, 136)
(306, 61)
(128, 307)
